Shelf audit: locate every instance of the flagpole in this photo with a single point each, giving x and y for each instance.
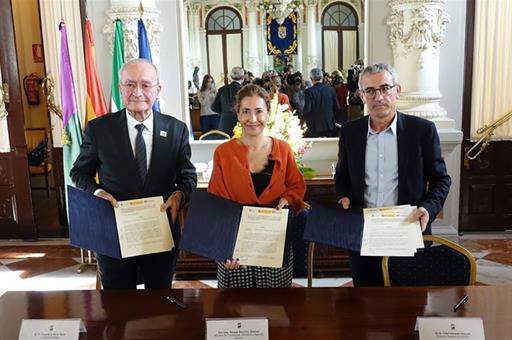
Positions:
(141, 9)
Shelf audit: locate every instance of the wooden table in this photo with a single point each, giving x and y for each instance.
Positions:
(293, 313)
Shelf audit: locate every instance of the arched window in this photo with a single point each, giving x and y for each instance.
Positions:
(340, 36)
(223, 43)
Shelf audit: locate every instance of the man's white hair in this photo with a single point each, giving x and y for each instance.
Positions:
(140, 60)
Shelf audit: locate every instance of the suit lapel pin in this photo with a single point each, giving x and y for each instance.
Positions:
(163, 133)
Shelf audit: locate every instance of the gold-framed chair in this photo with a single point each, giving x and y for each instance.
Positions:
(98, 279)
(311, 253)
(214, 134)
(37, 137)
(441, 264)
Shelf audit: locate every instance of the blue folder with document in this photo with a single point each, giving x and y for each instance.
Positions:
(211, 227)
(330, 224)
(92, 223)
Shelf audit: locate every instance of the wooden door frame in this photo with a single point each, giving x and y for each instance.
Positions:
(466, 103)
(224, 34)
(23, 225)
(468, 71)
(340, 30)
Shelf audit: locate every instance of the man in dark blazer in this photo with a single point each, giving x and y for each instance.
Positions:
(388, 158)
(225, 100)
(320, 106)
(137, 152)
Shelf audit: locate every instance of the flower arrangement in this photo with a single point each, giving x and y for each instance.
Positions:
(283, 124)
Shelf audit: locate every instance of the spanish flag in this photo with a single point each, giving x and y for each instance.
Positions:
(95, 100)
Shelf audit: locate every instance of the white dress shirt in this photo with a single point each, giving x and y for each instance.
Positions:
(147, 133)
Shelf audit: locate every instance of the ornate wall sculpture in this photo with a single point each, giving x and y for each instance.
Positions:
(130, 15)
(416, 34)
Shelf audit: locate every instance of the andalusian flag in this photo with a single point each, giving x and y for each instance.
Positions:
(95, 100)
(116, 103)
(145, 51)
(72, 133)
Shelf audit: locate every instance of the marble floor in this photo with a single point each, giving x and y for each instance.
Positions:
(53, 264)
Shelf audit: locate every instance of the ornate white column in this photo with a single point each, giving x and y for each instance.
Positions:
(311, 54)
(300, 39)
(253, 60)
(128, 12)
(194, 24)
(416, 35)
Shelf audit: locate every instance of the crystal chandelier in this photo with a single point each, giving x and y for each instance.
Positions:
(280, 9)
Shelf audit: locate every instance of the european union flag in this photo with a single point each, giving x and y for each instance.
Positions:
(145, 51)
(282, 38)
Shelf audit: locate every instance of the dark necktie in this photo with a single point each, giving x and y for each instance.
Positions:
(140, 152)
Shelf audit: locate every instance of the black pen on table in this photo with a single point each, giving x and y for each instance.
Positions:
(175, 301)
(461, 302)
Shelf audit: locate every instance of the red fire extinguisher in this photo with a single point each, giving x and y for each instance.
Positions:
(31, 86)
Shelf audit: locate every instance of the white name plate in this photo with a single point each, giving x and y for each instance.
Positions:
(237, 329)
(61, 329)
(434, 328)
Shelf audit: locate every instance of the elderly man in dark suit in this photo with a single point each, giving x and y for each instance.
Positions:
(225, 100)
(137, 152)
(388, 158)
(320, 106)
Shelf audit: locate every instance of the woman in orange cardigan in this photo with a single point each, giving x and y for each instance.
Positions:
(256, 169)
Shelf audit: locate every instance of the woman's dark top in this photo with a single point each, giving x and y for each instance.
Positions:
(261, 180)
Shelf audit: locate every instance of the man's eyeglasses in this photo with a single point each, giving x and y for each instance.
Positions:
(133, 86)
(385, 90)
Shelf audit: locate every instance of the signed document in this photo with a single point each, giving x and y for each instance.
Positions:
(261, 237)
(387, 232)
(142, 227)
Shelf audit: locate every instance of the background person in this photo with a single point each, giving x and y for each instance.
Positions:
(341, 88)
(206, 96)
(225, 100)
(320, 105)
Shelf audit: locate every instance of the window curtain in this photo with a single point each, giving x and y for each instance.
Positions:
(51, 13)
(492, 67)
(4, 131)
(234, 52)
(215, 59)
(330, 51)
(349, 48)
